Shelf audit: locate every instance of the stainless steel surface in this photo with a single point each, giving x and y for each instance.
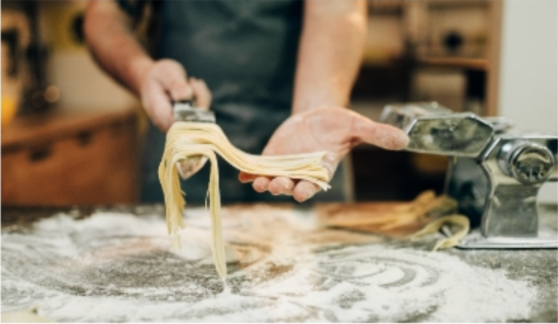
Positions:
(433, 129)
(528, 162)
(496, 172)
(186, 111)
(475, 240)
(499, 124)
(404, 115)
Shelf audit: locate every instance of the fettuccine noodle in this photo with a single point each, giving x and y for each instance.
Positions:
(187, 139)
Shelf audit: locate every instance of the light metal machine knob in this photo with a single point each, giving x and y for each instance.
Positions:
(529, 163)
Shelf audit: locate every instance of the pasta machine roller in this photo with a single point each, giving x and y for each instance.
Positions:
(186, 111)
(495, 170)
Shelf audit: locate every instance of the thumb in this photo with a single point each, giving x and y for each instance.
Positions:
(174, 80)
(201, 93)
(382, 135)
(179, 89)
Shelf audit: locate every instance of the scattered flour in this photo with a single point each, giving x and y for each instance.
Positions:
(114, 267)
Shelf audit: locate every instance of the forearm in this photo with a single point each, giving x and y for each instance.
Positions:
(330, 53)
(113, 45)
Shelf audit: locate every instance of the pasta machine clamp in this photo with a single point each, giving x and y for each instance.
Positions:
(186, 111)
(495, 172)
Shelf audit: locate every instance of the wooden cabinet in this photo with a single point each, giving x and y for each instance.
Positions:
(71, 159)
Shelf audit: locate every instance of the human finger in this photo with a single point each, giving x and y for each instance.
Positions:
(382, 135)
(304, 190)
(201, 93)
(261, 184)
(172, 76)
(158, 107)
(281, 185)
(246, 177)
(180, 90)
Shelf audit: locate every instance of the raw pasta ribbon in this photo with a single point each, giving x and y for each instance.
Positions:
(187, 140)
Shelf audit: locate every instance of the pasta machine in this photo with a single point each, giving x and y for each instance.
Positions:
(495, 171)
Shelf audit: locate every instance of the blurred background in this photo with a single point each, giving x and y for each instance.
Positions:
(71, 135)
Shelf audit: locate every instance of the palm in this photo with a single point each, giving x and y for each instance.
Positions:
(327, 129)
(332, 130)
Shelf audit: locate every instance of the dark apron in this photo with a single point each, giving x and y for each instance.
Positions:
(246, 53)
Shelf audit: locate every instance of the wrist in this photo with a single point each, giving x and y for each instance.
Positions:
(302, 107)
(138, 69)
(317, 97)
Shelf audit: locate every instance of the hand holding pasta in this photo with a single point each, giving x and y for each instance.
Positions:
(166, 81)
(334, 131)
(186, 139)
(306, 148)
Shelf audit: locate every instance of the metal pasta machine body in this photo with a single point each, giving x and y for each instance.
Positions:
(495, 170)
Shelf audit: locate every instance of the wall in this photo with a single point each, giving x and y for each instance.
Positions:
(528, 70)
(83, 86)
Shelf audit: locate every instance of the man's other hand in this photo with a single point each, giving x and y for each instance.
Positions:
(333, 130)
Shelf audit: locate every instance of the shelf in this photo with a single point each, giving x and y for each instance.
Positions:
(455, 62)
(380, 7)
(443, 4)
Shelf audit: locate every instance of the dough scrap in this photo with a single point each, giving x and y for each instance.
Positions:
(426, 206)
(192, 140)
(445, 243)
(30, 315)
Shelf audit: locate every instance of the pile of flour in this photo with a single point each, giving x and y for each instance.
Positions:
(120, 267)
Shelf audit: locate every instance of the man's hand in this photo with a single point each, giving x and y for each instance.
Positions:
(157, 83)
(333, 130)
(166, 81)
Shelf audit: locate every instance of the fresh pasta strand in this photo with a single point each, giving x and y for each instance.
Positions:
(436, 225)
(187, 139)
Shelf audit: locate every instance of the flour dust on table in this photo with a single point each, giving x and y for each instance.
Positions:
(282, 267)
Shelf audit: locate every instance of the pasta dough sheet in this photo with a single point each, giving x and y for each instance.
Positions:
(425, 215)
(187, 140)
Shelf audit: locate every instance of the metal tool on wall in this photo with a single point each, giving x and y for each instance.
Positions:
(186, 111)
(495, 174)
